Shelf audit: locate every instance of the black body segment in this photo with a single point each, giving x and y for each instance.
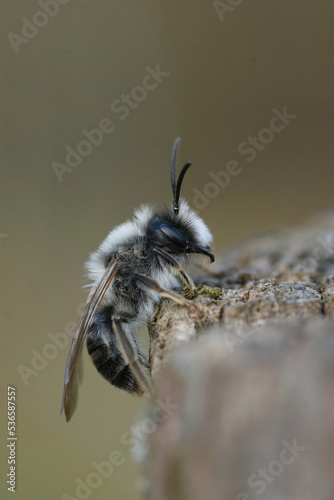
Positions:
(106, 354)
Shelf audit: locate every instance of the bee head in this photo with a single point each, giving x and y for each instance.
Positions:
(179, 230)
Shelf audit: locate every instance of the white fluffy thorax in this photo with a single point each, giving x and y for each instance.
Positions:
(95, 266)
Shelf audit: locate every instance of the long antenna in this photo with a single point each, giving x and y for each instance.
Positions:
(176, 188)
(174, 156)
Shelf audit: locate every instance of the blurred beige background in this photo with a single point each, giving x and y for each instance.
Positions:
(225, 76)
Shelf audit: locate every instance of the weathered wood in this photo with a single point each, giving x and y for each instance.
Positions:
(257, 376)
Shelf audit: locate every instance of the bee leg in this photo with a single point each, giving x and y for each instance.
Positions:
(177, 266)
(130, 355)
(151, 284)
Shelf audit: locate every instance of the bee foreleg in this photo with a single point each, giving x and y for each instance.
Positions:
(177, 266)
(151, 284)
(130, 355)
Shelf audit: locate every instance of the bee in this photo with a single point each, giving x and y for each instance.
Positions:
(139, 262)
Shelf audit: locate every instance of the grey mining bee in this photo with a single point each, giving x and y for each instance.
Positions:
(139, 262)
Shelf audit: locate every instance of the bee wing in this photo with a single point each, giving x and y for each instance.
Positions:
(93, 302)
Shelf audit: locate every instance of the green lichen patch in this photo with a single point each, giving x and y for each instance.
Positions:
(203, 291)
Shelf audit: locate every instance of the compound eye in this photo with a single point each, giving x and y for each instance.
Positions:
(173, 235)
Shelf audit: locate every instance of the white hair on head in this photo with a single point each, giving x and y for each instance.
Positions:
(190, 217)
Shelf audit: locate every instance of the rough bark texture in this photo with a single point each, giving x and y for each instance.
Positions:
(257, 378)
